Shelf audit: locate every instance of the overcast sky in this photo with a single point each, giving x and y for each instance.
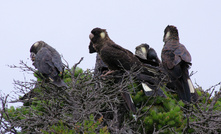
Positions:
(66, 25)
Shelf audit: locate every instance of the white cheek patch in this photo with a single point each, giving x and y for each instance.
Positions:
(102, 35)
(36, 44)
(192, 90)
(167, 35)
(143, 49)
(146, 88)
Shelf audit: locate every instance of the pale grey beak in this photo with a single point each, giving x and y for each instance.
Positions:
(91, 36)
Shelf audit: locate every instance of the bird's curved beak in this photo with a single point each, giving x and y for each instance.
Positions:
(32, 56)
(91, 36)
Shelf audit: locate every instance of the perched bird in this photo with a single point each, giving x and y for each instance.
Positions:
(118, 58)
(101, 68)
(48, 62)
(113, 55)
(176, 60)
(147, 55)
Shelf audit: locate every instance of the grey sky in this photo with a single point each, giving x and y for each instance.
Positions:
(66, 24)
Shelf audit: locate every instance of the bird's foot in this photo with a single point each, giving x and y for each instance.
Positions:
(107, 73)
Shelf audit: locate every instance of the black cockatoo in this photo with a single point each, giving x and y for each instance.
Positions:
(118, 58)
(48, 62)
(112, 57)
(176, 60)
(147, 55)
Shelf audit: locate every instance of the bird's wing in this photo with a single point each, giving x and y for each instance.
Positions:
(173, 53)
(181, 52)
(43, 61)
(56, 59)
(152, 55)
(119, 48)
(117, 57)
(168, 57)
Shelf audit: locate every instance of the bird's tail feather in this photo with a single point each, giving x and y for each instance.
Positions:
(194, 95)
(129, 101)
(58, 82)
(192, 90)
(183, 89)
(150, 90)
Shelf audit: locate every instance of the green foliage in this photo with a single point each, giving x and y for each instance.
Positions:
(79, 74)
(218, 105)
(59, 129)
(158, 113)
(78, 71)
(17, 114)
(89, 127)
(38, 76)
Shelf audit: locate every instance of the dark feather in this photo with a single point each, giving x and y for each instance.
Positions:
(48, 62)
(129, 102)
(112, 56)
(100, 67)
(147, 55)
(176, 61)
(91, 48)
(118, 58)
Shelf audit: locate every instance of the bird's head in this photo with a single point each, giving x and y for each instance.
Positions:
(142, 50)
(170, 32)
(37, 46)
(98, 35)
